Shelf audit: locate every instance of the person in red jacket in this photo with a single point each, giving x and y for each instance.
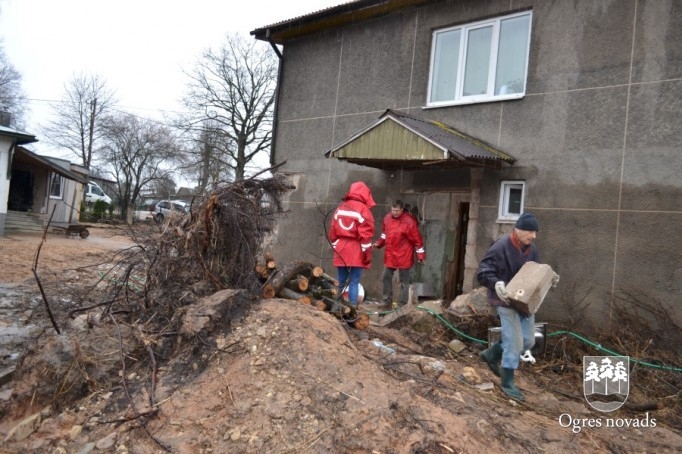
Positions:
(400, 234)
(351, 232)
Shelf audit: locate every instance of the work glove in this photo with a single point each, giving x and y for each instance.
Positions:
(501, 291)
(527, 357)
(555, 280)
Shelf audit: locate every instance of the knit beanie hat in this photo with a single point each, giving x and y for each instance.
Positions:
(527, 221)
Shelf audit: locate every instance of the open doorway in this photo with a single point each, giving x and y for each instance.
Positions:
(456, 248)
(20, 191)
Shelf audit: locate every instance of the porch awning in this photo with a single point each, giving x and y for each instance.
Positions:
(23, 155)
(397, 140)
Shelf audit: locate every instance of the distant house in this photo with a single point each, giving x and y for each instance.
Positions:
(34, 187)
(186, 194)
(475, 112)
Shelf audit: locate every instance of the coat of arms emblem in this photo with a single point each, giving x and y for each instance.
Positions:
(606, 381)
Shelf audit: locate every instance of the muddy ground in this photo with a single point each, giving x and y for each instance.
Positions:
(283, 377)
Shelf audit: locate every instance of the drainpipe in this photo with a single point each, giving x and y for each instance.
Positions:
(273, 140)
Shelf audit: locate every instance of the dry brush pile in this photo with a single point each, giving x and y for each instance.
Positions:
(122, 325)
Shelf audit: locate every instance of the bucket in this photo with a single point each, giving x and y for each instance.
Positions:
(495, 333)
(422, 290)
(361, 293)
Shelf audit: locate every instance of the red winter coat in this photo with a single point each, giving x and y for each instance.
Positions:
(402, 239)
(352, 228)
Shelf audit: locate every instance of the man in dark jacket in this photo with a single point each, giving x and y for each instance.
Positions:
(499, 265)
(400, 234)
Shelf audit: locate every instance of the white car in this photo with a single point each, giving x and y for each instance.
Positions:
(166, 207)
(93, 193)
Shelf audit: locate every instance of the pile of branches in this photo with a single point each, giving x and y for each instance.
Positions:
(218, 243)
(136, 303)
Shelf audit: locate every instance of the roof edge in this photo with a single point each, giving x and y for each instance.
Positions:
(70, 174)
(21, 138)
(335, 16)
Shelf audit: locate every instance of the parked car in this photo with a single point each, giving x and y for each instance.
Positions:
(93, 193)
(166, 207)
(149, 205)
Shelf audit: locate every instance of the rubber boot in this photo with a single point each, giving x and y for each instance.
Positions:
(508, 386)
(492, 356)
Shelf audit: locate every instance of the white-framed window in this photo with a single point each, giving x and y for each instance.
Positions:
(56, 186)
(512, 195)
(481, 61)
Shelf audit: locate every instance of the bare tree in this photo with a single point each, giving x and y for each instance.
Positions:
(164, 187)
(230, 96)
(137, 152)
(11, 94)
(207, 161)
(77, 126)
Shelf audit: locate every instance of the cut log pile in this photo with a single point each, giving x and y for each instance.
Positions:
(308, 284)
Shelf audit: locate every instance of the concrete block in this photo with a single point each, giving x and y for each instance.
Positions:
(527, 290)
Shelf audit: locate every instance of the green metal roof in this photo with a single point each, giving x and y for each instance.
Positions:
(398, 140)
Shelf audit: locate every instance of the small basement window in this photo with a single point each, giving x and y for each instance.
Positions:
(512, 194)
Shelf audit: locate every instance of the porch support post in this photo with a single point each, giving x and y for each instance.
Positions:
(470, 262)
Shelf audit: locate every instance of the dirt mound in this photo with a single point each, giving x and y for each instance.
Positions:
(289, 378)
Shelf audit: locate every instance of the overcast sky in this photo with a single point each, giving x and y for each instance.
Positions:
(138, 46)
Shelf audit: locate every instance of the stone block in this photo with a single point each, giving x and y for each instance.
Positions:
(24, 428)
(527, 290)
(456, 345)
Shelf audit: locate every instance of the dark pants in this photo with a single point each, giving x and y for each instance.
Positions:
(403, 277)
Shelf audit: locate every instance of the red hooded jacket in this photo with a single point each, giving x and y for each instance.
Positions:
(352, 228)
(402, 239)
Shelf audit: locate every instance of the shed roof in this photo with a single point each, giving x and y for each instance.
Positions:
(397, 140)
(21, 154)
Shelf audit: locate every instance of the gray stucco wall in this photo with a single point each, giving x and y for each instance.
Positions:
(597, 138)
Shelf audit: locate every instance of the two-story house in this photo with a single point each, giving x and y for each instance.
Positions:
(476, 111)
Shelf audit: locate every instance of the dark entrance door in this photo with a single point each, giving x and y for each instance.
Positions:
(20, 190)
(456, 245)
